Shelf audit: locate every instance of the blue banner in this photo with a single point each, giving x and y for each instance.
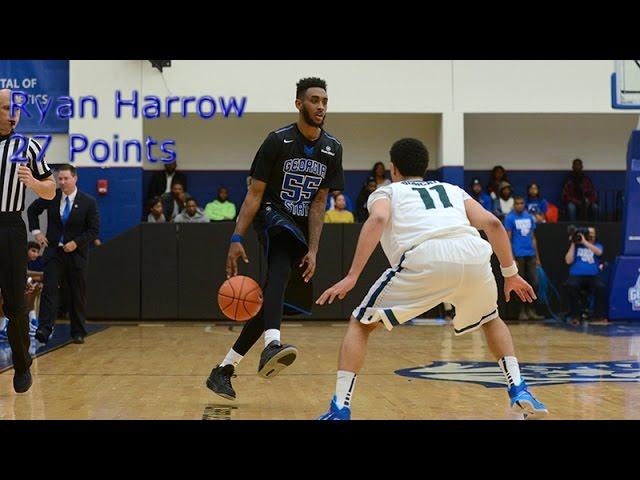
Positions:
(42, 81)
(631, 230)
(624, 297)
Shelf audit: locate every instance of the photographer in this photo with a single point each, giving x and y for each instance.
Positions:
(584, 259)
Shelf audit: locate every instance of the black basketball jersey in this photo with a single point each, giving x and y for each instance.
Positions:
(294, 168)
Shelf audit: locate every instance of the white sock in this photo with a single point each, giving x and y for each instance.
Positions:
(32, 315)
(345, 384)
(232, 358)
(271, 335)
(511, 370)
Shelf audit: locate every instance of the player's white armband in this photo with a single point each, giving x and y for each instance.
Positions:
(509, 271)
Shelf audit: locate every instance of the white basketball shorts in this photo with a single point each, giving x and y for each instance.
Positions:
(452, 270)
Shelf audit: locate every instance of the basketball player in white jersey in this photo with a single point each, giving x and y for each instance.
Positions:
(429, 232)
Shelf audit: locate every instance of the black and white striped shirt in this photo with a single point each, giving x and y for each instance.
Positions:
(12, 190)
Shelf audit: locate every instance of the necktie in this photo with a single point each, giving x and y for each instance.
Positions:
(65, 216)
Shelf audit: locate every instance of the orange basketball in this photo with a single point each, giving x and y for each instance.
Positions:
(240, 298)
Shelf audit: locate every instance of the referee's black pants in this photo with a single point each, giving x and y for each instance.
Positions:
(13, 280)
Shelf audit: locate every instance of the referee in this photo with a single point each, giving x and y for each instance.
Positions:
(14, 178)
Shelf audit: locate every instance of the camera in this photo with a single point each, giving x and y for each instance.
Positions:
(577, 233)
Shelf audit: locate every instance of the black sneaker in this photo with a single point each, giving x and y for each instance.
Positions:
(220, 381)
(22, 381)
(276, 357)
(43, 334)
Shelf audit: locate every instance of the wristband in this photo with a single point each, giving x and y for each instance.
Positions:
(509, 271)
(236, 238)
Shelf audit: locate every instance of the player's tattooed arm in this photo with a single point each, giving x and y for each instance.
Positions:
(370, 235)
(316, 221)
(372, 230)
(250, 206)
(499, 240)
(247, 213)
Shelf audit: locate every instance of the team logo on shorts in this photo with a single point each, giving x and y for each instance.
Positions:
(536, 374)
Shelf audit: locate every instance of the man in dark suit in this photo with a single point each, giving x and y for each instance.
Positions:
(162, 181)
(73, 224)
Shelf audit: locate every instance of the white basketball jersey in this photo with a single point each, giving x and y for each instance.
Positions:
(421, 211)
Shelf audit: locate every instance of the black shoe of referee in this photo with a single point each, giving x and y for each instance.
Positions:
(43, 334)
(220, 381)
(275, 358)
(22, 381)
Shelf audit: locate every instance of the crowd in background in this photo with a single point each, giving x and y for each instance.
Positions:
(168, 199)
(579, 196)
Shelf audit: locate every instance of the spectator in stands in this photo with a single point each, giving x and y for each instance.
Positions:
(498, 175)
(339, 212)
(584, 260)
(221, 209)
(162, 181)
(33, 289)
(536, 205)
(331, 200)
(361, 203)
(504, 203)
(35, 272)
(174, 202)
(579, 195)
(475, 190)
(380, 174)
(156, 213)
(520, 226)
(191, 213)
(35, 265)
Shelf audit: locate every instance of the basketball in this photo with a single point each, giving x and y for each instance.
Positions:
(240, 298)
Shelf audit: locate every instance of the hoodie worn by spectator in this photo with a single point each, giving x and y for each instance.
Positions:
(502, 206)
(362, 213)
(479, 196)
(579, 188)
(198, 217)
(218, 211)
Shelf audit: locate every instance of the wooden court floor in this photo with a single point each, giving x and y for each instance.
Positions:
(157, 371)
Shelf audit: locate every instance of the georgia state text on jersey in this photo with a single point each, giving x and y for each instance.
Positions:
(294, 168)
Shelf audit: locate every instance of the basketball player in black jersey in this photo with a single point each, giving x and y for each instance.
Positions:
(291, 175)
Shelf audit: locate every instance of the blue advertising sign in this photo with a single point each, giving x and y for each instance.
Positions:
(42, 81)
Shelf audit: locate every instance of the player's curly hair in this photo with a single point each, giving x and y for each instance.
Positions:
(309, 82)
(410, 157)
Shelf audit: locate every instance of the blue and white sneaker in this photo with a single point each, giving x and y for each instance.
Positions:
(523, 402)
(4, 336)
(33, 326)
(336, 413)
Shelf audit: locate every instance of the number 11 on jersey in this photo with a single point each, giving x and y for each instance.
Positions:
(428, 201)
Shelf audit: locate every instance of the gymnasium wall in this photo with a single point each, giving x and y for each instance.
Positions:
(231, 143)
(531, 116)
(547, 141)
